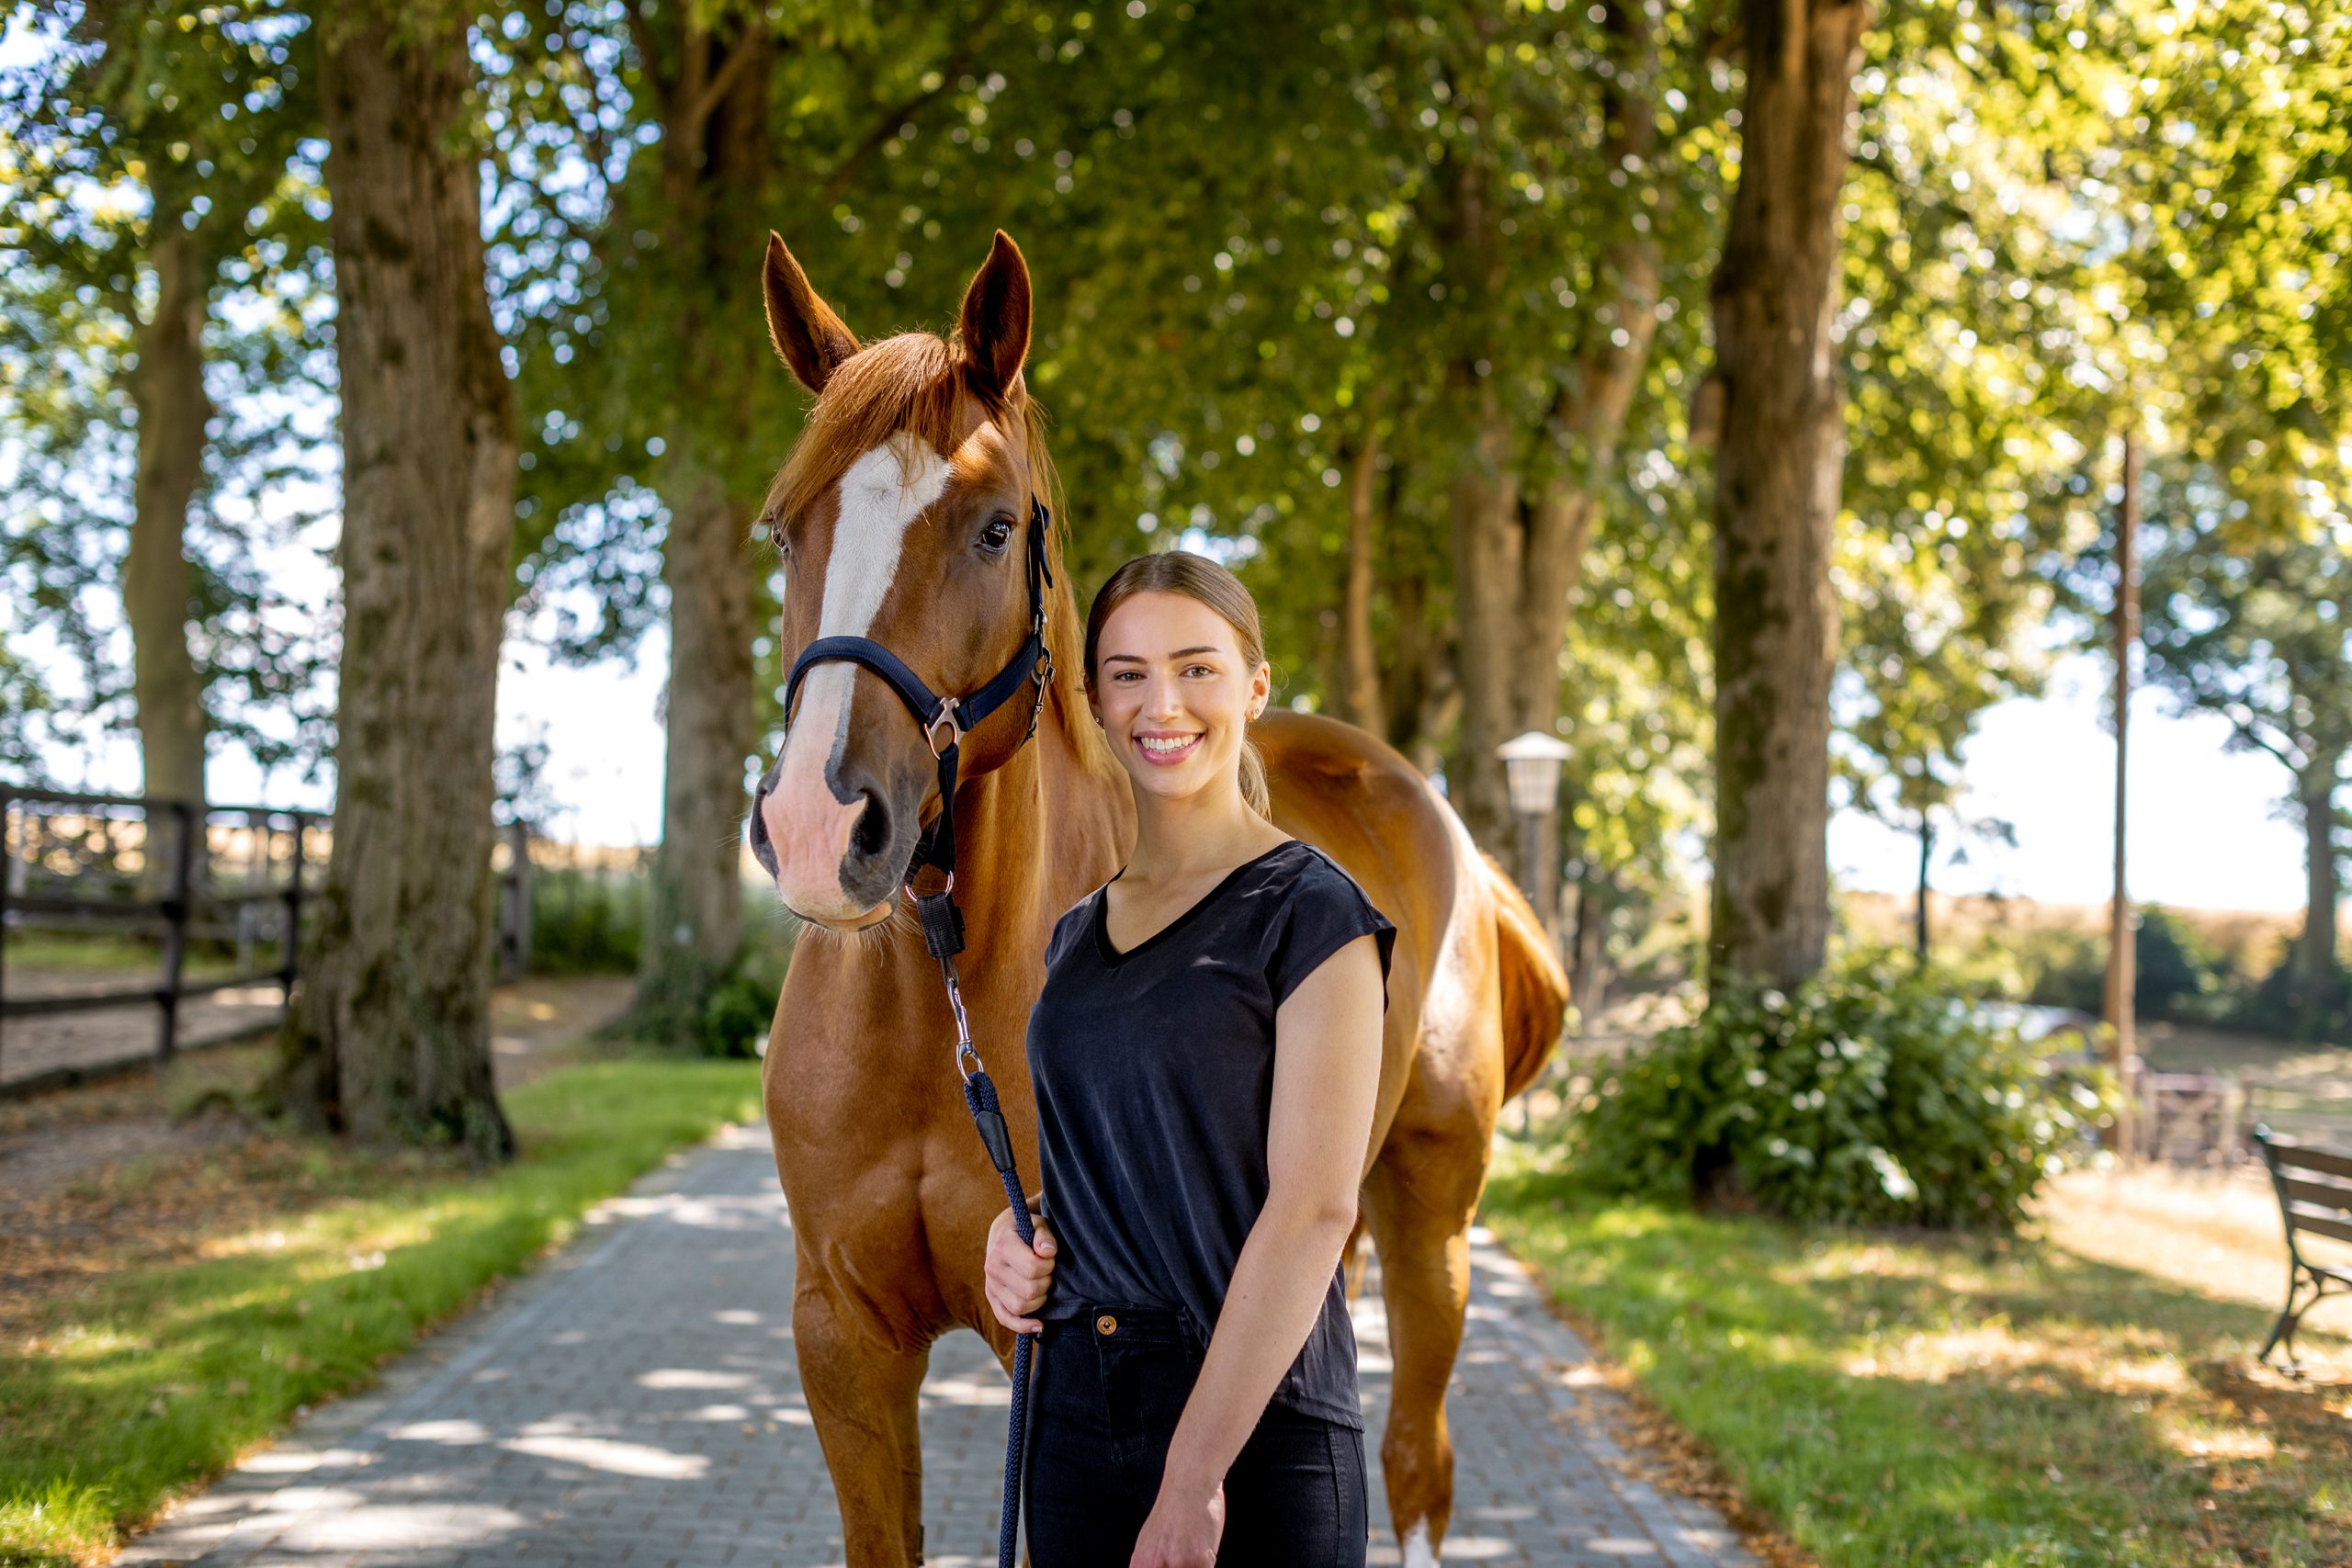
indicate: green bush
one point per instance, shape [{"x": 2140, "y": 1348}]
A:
[
  {"x": 2176, "y": 972},
  {"x": 583, "y": 922},
  {"x": 1873, "y": 1095},
  {"x": 736, "y": 1017}
]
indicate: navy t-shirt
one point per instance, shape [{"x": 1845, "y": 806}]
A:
[{"x": 1154, "y": 1071}]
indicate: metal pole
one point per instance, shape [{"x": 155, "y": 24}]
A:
[
  {"x": 289, "y": 947},
  {"x": 175, "y": 913},
  {"x": 2120, "y": 980}
]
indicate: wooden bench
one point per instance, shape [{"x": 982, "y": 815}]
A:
[{"x": 2315, "y": 1186}]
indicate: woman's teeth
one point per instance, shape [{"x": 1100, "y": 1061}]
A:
[{"x": 1166, "y": 749}]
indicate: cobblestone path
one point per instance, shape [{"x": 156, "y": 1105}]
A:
[{"x": 635, "y": 1405}]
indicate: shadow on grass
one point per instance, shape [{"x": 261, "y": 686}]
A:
[
  {"x": 158, "y": 1377},
  {"x": 1912, "y": 1398}
]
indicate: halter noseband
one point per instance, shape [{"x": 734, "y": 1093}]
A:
[{"x": 946, "y": 720}]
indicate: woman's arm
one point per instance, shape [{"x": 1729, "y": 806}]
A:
[{"x": 1327, "y": 1076}]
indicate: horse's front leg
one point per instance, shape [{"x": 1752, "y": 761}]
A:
[{"x": 862, "y": 1389}]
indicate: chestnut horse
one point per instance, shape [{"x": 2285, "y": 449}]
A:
[{"x": 901, "y": 515}]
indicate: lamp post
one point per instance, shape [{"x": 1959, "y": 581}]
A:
[{"x": 1531, "y": 764}]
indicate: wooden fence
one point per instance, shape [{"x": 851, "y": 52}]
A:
[{"x": 94, "y": 863}]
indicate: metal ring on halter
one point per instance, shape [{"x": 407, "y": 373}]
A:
[
  {"x": 908, "y": 887},
  {"x": 966, "y": 1049},
  {"x": 946, "y": 716}
]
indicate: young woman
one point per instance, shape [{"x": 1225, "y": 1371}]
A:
[{"x": 1206, "y": 1054}]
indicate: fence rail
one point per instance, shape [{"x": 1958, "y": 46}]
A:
[
  {"x": 87, "y": 862},
  {"x": 128, "y": 862}
]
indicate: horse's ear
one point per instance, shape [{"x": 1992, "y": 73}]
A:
[
  {"x": 994, "y": 330},
  {"x": 808, "y": 336}
]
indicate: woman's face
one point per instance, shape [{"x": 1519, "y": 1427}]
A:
[{"x": 1173, "y": 694}]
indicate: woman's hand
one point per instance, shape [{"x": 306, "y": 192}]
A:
[
  {"x": 1015, "y": 1276},
  {"x": 1183, "y": 1529}
]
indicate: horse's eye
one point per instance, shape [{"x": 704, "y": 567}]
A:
[{"x": 998, "y": 534}]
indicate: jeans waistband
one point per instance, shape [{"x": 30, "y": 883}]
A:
[{"x": 1122, "y": 1321}]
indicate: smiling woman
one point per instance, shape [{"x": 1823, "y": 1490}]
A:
[
  {"x": 1201, "y": 1174},
  {"x": 1230, "y": 644}
]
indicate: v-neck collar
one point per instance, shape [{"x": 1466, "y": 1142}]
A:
[{"x": 1112, "y": 957}]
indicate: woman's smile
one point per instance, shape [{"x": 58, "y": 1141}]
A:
[{"x": 1165, "y": 747}]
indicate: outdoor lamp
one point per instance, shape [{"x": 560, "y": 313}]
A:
[{"x": 1533, "y": 762}]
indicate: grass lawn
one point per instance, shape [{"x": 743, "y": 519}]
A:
[
  {"x": 106, "y": 950},
  {"x": 1904, "y": 1399},
  {"x": 158, "y": 1377}
]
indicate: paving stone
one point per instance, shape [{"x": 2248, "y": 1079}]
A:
[{"x": 635, "y": 1404}]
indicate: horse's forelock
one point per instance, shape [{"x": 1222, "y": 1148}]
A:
[{"x": 906, "y": 383}]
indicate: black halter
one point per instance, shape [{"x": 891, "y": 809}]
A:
[{"x": 945, "y": 721}]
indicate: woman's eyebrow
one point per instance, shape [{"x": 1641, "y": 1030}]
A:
[{"x": 1139, "y": 659}]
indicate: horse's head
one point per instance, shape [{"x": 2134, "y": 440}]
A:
[{"x": 902, "y": 515}]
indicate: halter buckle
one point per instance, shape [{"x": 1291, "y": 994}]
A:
[
  {"x": 948, "y": 716},
  {"x": 908, "y": 887}
]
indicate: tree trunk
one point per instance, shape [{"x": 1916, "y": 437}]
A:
[
  {"x": 168, "y": 392},
  {"x": 1520, "y": 556},
  {"x": 715, "y": 164},
  {"x": 391, "y": 1040},
  {"x": 1777, "y": 480},
  {"x": 695, "y": 928},
  {"x": 1589, "y": 979},
  {"x": 1483, "y": 501},
  {"x": 2314, "y": 958},
  {"x": 1359, "y": 683}
]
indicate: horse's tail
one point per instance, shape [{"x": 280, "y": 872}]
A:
[{"x": 1534, "y": 986}]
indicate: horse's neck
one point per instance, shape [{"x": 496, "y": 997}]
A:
[{"x": 1035, "y": 833}]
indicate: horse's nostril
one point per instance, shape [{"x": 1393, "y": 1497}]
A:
[
  {"x": 872, "y": 833},
  {"x": 762, "y": 848}
]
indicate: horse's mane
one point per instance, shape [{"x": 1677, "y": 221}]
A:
[{"x": 909, "y": 383}]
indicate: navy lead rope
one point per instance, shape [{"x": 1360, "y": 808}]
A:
[
  {"x": 942, "y": 921},
  {"x": 942, "y": 932}
]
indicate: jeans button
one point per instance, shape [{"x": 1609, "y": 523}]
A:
[{"x": 1106, "y": 1324}]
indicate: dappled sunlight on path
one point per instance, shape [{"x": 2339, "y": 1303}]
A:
[{"x": 638, "y": 1402}]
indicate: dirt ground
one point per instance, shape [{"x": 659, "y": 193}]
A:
[{"x": 137, "y": 1169}]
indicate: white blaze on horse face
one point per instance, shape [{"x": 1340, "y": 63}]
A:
[{"x": 881, "y": 495}]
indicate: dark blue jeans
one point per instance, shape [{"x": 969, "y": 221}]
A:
[{"x": 1110, "y": 1385}]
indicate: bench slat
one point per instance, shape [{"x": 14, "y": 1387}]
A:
[
  {"x": 2320, "y": 1224},
  {"x": 2308, "y": 1158},
  {"x": 2317, "y": 1193}
]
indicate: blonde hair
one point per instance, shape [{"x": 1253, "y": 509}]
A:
[{"x": 1201, "y": 579}]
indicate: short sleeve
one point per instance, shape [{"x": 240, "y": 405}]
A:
[
  {"x": 1072, "y": 921},
  {"x": 1326, "y": 910}
]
